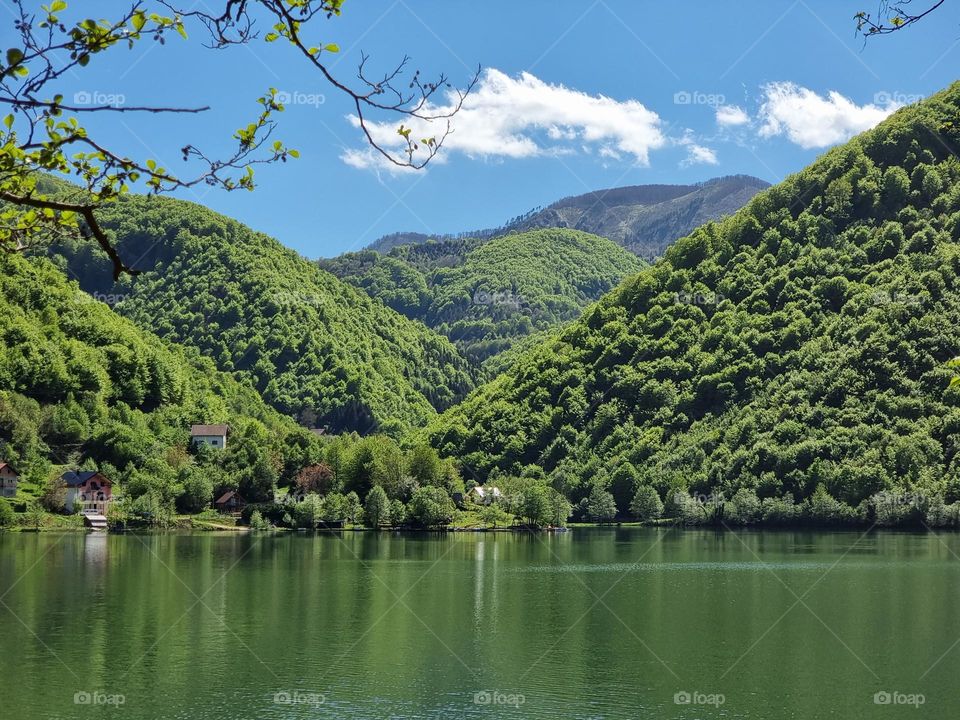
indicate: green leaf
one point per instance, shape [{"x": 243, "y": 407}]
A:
[
  {"x": 138, "y": 21},
  {"x": 332, "y": 47},
  {"x": 14, "y": 56}
]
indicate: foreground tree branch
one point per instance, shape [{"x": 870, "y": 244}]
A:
[
  {"x": 42, "y": 135},
  {"x": 893, "y": 15}
]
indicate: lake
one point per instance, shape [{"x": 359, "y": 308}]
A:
[{"x": 593, "y": 623}]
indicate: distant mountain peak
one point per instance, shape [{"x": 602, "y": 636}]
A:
[{"x": 643, "y": 218}]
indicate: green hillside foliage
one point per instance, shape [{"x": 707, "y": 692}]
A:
[
  {"x": 315, "y": 348},
  {"x": 794, "y": 350},
  {"x": 82, "y": 387},
  {"x": 485, "y": 296}
]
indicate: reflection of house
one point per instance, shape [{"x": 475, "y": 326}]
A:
[
  {"x": 210, "y": 435},
  {"x": 485, "y": 495},
  {"x": 8, "y": 480},
  {"x": 230, "y": 502},
  {"x": 88, "y": 491}
]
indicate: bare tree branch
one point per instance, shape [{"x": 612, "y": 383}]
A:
[
  {"x": 41, "y": 127},
  {"x": 891, "y": 16}
]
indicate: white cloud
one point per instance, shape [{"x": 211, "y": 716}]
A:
[
  {"x": 813, "y": 121},
  {"x": 731, "y": 115},
  {"x": 369, "y": 159},
  {"x": 699, "y": 155},
  {"x": 524, "y": 117}
]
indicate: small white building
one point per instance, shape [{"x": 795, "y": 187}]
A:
[
  {"x": 214, "y": 436},
  {"x": 8, "y": 480},
  {"x": 483, "y": 495}
]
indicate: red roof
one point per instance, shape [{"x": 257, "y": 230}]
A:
[
  {"x": 227, "y": 496},
  {"x": 209, "y": 430},
  {"x": 8, "y": 465}
]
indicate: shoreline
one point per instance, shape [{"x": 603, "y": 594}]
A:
[{"x": 202, "y": 528}]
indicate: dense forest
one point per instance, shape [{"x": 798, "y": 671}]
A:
[
  {"x": 82, "y": 387},
  {"x": 316, "y": 348},
  {"x": 787, "y": 362},
  {"x": 485, "y": 296}
]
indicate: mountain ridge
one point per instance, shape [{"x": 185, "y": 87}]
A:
[{"x": 628, "y": 215}]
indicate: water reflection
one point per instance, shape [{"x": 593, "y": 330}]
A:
[{"x": 415, "y": 626}]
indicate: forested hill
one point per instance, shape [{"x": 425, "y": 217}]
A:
[
  {"x": 486, "y": 296},
  {"x": 801, "y": 342},
  {"x": 316, "y": 348},
  {"x": 80, "y": 385},
  {"x": 643, "y": 218}
]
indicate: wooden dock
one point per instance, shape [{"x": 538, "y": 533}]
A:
[{"x": 95, "y": 522}]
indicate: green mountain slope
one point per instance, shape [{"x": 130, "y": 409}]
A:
[
  {"x": 485, "y": 296},
  {"x": 799, "y": 343},
  {"x": 316, "y": 348},
  {"x": 81, "y": 385}
]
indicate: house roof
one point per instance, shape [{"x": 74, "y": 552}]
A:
[
  {"x": 227, "y": 496},
  {"x": 482, "y": 491},
  {"x": 74, "y": 479},
  {"x": 209, "y": 430},
  {"x": 8, "y": 465}
]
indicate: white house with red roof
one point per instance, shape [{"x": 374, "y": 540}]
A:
[{"x": 214, "y": 436}]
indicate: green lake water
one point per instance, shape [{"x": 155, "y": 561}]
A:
[{"x": 593, "y": 623}]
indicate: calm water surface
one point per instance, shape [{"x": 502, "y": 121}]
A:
[{"x": 618, "y": 623}]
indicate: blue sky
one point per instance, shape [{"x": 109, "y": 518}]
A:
[{"x": 575, "y": 96}]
